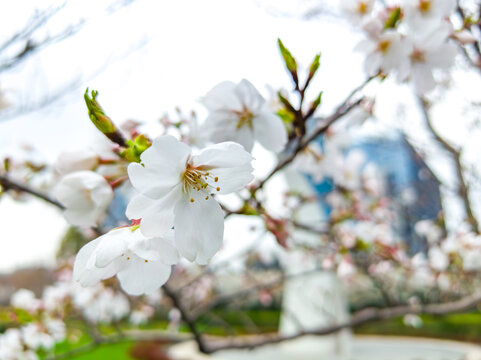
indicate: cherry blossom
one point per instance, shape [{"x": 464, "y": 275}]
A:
[
  {"x": 357, "y": 10},
  {"x": 238, "y": 112},
  {"x": 25, "y": 299},
  {"x": 424, "y": 15},
  {"x": 387, "y": 52},
  {"x": 86, "y": 196},
  {"x": 12, "y": 346},
  {"x": 177, "y": 187},
  {"x": 429, "y": 51},
  {"x": 141, "y": 264},
  {"x": 71, "y": 161}
]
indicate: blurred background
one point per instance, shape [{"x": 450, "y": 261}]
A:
[{"x": 154, "y": 60}]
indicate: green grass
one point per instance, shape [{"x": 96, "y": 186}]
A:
[
  {"x": 119, "y": 351},
  {"x": 463, "y": 327}
]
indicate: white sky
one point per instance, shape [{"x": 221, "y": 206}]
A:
[{"x": 189, "y": 46}]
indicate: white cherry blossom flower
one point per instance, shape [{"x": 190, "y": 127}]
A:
[
  {"x": 429, "y": 51},
  {"x": 25, "y": 299},
  {"x": 107, "y": 307},
  {"x": 239, "y": 113},
  {"x": 85, "y": 195},
  {"x": 176, "y": 188},
  {"x": 387, "y": 52},
  {"x": 424, "y": 15},
  {"x": 35, "y": 337},
  {"x": 12, "y": 346},
  {"x": 141, "y": 264},
  {"x": 357, "y": 10}
]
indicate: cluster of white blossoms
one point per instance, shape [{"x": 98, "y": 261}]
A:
[
  {"x": 410, "y": 40},
  {"x": 174, "y": 211},
  {"x": 46, "y": 327},
  {"x": 239, "y": 113},
  {"x": 42, "y": 333}
]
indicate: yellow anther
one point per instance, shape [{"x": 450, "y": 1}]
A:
[
  {"x": 218, "y": 188},
  {"x": 192, "y": 199},
  {"x": 128, "y": 258},
  {"x": 207, "y": 173},
  {"x": 146, "y": 260},
  {"x": 216, "y": 179},
  {"x": 207, "y": 197}
]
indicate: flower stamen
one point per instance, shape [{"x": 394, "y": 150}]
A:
[{"x": 197, "y": 178}]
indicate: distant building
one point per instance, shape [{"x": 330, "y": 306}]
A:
[{"x": 410, "y": 183}]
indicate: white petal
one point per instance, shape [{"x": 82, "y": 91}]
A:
[
  {"x": 250, "y": 98},
  {"x": 152, "y": 182},
  {"x": 199, "y": 228},
  {"x": 270, "y": 131},
  {"x": 143, "y": 277},
  {"x": 227, "y": 154},
  {"x": 220, "y": 125},
  {"x": 232, "y": 179},
  {"x": 82, "y": 258},
  {"x": 87, "y": 274},
  {"x": 423, "y": 78},
  {"x": 443, "y": 57},
  {"x": 154, "y": 249},
  {"x": 111, "y": 246},
  {"x": 166, "y": 156},
  {"x": 157, "y": 215},
  {"x": 222, "y": 97},
  {"x": 372, "y": 63},
  {"x": 102, "y": 196}
]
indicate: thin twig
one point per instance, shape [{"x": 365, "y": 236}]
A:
[
  {"x": 8, "y": 184},
  {"x": 186, "y": 318},
  {"x": 463, "y": 189},
  {"x": 341, "y": 110}
]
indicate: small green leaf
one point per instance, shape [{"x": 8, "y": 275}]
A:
[
  {"x": 314, "y": 66},
  {"x": 287, "y": 56},
  {"x": 286, "y": 116},
  {"x": 317, "y": 101},
  {"x": 135, "y": 148}
]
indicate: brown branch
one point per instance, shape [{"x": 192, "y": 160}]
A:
[
  {"x": 190, "y": 322},
  {"x": 358, "y": 318},
  {"x": 321, "y": 230},
  {"x": 8, "y": 184},
  {"x": 463, "y": 189}
]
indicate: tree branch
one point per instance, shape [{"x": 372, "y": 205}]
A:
[
  {"x": 463, "y": 189},
  {"x": 341, "y": 110},
  {"x": 8, "y": 184},
  {"x": 187, "y": 319},
  {"x": 358, "y": 318}
]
